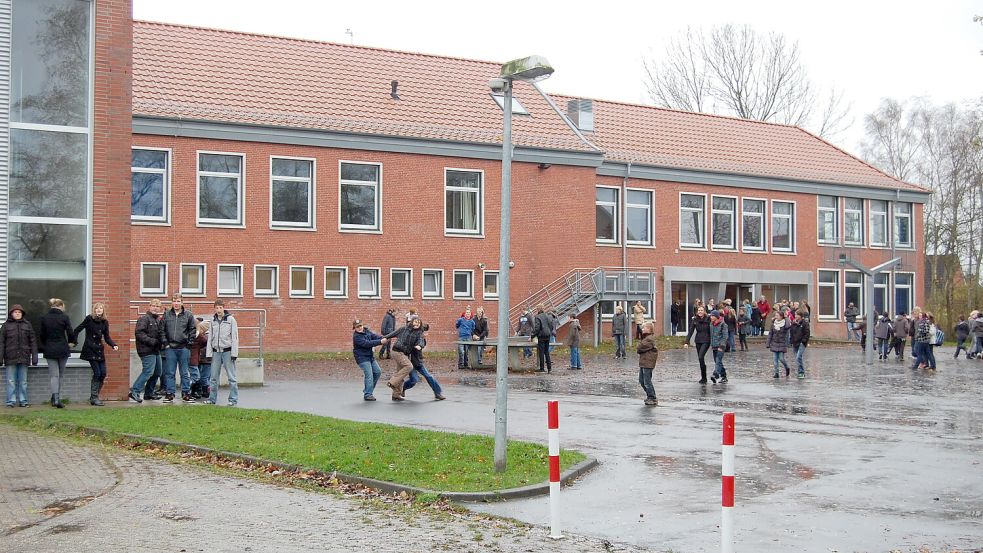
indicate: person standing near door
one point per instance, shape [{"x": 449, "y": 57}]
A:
[
  {"x": 674, "y": 314},
  {"x": 638, "y": 318},
  {"x": 619, "y": 327},
  {"x": 542, "y": 329}
]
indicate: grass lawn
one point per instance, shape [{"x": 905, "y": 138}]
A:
[{"x": 439, "y": 461}]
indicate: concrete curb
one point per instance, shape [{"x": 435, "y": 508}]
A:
[{"x": 543, "y": 488}]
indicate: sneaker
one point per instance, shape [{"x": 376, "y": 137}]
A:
[
  {"x": 801, "y": 375},
  {"x": 233, "y": 403},
  {"x": 713, "y": 379},
  {"x": 168, "y": 398},
  {"x": 439, "y": 397},
  {"x": 187, "y": 398},
  {"x": 135, "y": 398},
  {"x": 208, "y": 402},
  {"x": 703, "y": 381},
  {"x": 723, "y": 380},
  {"x": 652, "y": 402},
  {"x": 11, "y": 405},
  {"x": 369, "y": 397},
  {"x": 25, "y": 404},
  {"x": 774, "y": 375}
]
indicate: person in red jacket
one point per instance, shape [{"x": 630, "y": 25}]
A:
[{"x": 765, "y": 309}]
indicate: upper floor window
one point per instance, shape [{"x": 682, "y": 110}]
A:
[
  {"x": 723, "y": 219},
  {"x": 291, "y": 192},
  {"x": 149, "y": 185},
  {"x": 782, "y": 226},
  {"x": 360, "y": 203},
  {"x": 828, "y": 222},
  {"x": 878, "y": 223},
  {"x": 462, "y": 202},
  {"x": 853, "y": 221},
  {"x": 692, "y": 220},
  {"x": 753, "y": 229},
  {"x": 606, "y": 218},
  {"x": 638, "y": 217},
  {"x": 902, "y": 224},
  {"x": 220, "y": 189}
]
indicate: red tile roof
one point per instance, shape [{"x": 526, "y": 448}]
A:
[
  {"x": 669, "y": 138},
  {"x": 213, "y": 75}
]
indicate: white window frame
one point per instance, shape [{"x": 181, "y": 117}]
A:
[
  {"x": 911, "y": 292},
  {"x": 791, "y": 227},
  {"x": 485, "y": 295},
  {"x": 335, "y": 294},
  {"x": 362, "y": 229},
  {"x": 860, "y": 287},
  {"x": 409, "y": 283},
  {"x": 884, "y": 214},
  {"x": 733, "y": 223},
  {"x": 267, "y": 293},
  {"x": 469, "y": 295},
  {"x": 218, "y": 280},
  {"x": 835, "y": 210},
  {"x": 193, "y": 291},
  {"x": 160, "y": 291},
  {"x": 763, "y": 223},
  {"x": 884, "y": 290},
  {"x": 650, "y": 207},
  {"x": 165, "y": 219},
  {"x": 861, "y": 220},
  {"x": 835, "y": 287},
  {"x": 307, "y": 292},
  {"x": 703, "y": 233},
  {"x": 480, "y": 232},
  {"x": 423, "y": 285},
  {"x": 241, "y": 196},
  {"x": 517, "y": 107},
  {"x": 378, "y": 283},
  {"x": 616, "y": 241},
  {"x": 911, "y": 225},
  {"x": 311, "y": 225}
]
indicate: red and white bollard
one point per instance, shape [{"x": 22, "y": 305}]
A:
[
  {"x": 727, "y": 487},
  {"x": 554, "y": 451}
]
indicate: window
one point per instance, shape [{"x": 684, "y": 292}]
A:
[
  {"x": 880, "y": 292},
  {"x": 692, "y": 222},
  {"x": 638, "y": 217},
  {"x": 829, "y": 284},
  {"x": 853, "y": 221},
  {"x": 368, "y": 283},
  {"x": 902, "y": 224},
  {"x": 878, "y": 223},
  {"x": 336, "y": 282},
  {"x": 491, "y": 285},
  {"x": 291, "y": 192},
  {"x": 606, "y": 215},
  {"x": 301, "y": 282},
  {"x": 903, "y": 286},
  {"x": 359, "y": 204},
  {"x": 462, "y": 202},
  {"x": 517, "y": 108},
  {"x": 722, "y": 218},
  {"x": 401, "y": 283},
  {"x": 828, "y": 222},
  {"x": 753, "y": 229},
  {"x": 266, "y": 280},
  {"x": 463, "y": 284},
  {"x": 193, "y": 279},
  {"x": 853, "y": 289},
  {"x": 153, "y": 279},
  {"x": 220, "y": 189},
  {"x": 782, "y": 226},
  {"x": 433, "y": 283},
  {"x": 150, "y": 185},
  {"x": 230, "y": 280}
]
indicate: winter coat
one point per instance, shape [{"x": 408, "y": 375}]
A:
[
  {"x": 199, "y": 347},
  {"x": 718, "y": 334},
  {"x": 407, "y": 339},
  {"x": 573, "y": 334},
  {"x": 56, "y": 334},
  {"x": 700, "y": 326},
  {"x": 525, "y": 325},
  {"x": 763, "y": 308},
  {"x": 851, "y": 314},
  {"x": 912, "y": 326},
  {"x": 542, "y": 326},
  {"x": 362, "y": 344},
  {"x": 755, "y": 316},
  {"x": 778, "y": 338},
  {"x": 800, "y": 333},
  {"x": 648, "y": 353},
  {"x": 95, "y": 333},
  {"x": 923, "y": 331},
  {"x": 730, "y": 319},
  {"x": 901, "y": 328},
  {"x": 388, "y": 323},
  {"x": 674, "y": 314},
  {"x": 223, "y": 334},
  {"x": 465, "y": 328},
  {"x": 619, "y": 323},
  {"x": 883, "y": 329},
  {"x": 149, "y": 334},
  {"x": 18, "y": 344},
  {"x": 180, "y": 328},
  {"x": 742, "y": 324},
  {"x": 481, "y": 327},
  {"x": 962, "y": 330},
  {"x": 555, "y": 323},
  {"x": 978, "y": 328},
  {"x": 638, "y": 314}
]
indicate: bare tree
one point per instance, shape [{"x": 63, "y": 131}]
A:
[{"x": 736, "y": 71}]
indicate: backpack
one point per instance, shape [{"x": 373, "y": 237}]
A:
[{"x": 939, "y": 336}]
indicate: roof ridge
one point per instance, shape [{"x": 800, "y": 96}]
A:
[{"x": 142, "y": 22}]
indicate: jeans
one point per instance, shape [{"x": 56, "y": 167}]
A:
[
  {"x": 718, "y": 364},
  {"x": 899, "y": 344},
  {"x": 619, "y": 344},
  {"x": 780, "y": 358},
  {"x": 799, "y": 350},
  {"x": 851, "y": 333},
  {"x": 961, "y": 345},
  {"x": 145, "y": 382},
  {"x": 462, "y": 355},
  {"x": 883, "y": 347},
  {"x": 575, "y": 357},
  {"x": 543, "y": 349},
  {"x": 674, "y": 327},
  {"x": 223, "y": 359},
  {"x": 413, "y": 379},
  {"x": 917, "y": 354},
  {"x": 928, "y": 352},
  {"x": 645, "y": 380},
  {"x": 701, "y": 353},
  {"x": 371, "y": 372},
  {"x": 177, "y": 358},
  {"x": 17, "y": 384},
  {"x": 56, "y": 371},
  {"x": 204, "y": 374},
  {"x": 730, "y": 341},
  {"x": 98, "y": 370}
]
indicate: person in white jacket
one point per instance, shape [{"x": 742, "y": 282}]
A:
[{"x": 223, "y": 343}]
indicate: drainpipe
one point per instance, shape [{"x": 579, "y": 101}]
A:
[{"x": 624, "y": 244}]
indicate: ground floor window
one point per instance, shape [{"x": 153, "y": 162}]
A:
[
  {"x": 301, "y": 282},
  {"x": 491, "y": 285},
  {"x": 153, "y": 279},
  {"x": 828, "y": 304},
  {"x": 335, "y": 282},
  {"x": 903, "y": 286},
  {"x": 230, "y": 280},
  {"x": 853, "y": 289}
]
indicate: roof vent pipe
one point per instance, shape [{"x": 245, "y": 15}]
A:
[{"x": 395, "y": 85}]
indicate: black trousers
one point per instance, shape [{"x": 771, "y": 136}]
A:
[
  {"x": 543, "y": 349},
  {"x": 701, "y": 352}
]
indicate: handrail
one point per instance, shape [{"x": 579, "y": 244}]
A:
[{"x": 259, "y": 329}]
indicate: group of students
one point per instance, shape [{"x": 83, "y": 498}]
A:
[{"x": 404, "y": 344}]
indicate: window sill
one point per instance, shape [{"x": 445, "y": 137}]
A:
[
  {"x": 336, "y": 296},
  {"x": 433, "y": 297},
  {"x": 754, "y": 251},
  {"x": 150, "y": 223},
  {"x": 361, "y": 297},
  {"x": 780, "y": 252},
  {"x": 153, "y": 294},
  {"x": 359, "y": 231},
  {"x": 302, "y": 296},
  {"x": 693, "y": 248},
  {"x": 301, "y": 229},
  {"x": 642, "y": 246},
  {"x": 229, "y": 295},
  {"x": 400, "y": 297},
  {"x": 267, "y": 296},
  {"x": 453, "y": 234},
  {"x": 723, "y": 249},
  {"x": 202, "y": 224},
  {"x": 607, "y": 244},
  {"x": 464, "y": 297}
]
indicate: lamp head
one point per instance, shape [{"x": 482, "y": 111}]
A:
[{"x": 530, "y": 69}]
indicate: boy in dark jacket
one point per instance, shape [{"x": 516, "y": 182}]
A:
[
  {"x": 962, "y": 333},
  {"x": 363, "y": 340},
  {"x": 418, "y": 367},
  {"x": 407, "y": 338},
  {"x": 18, "y": 347},
  {"x": 648, "y": 355},
  {"x": 543, "y": 329},
  {"x": 388, "y": 325},
  {"x": 150, "y": 339},
  {"x": 799, "y": 334}
]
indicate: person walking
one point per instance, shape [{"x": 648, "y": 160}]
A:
[
  {"x": 638, "y": 318},
  {"x": 961, "y": 332},
  {"x": 850, "y": 314},
  {"x": 719, "y": 336},
  {"x": 743, "y": 328},
  {"x": 480, "y": 331},
  {"x": 149, "y": 335},
  {"x": 573, "y": 340},
  {"x": 542, "y": 329},
  {"x": 96, "y": 329},
  {"x": 180, "y": 328},
  {"x": 388, "y": 325},
  {"x": 648, "y": 355},
  {"x": 57, "y": 339},
  {"x": 921, "y": 339},
  {"x": 977, "y": 334},
  {"x": 674, "y": 317},
  {"x": 619, "y": 326},
  {"x": 778, "y": 339},
  {"x": 363, "y": 340},
  {"x": 18, "y": 348},
  {"x": 900, "y": 336},
  {"x": 465, "y": 333},
  {"x": 935, "y": 338},
  {"x": 699, "y": 326},
  {"x": 883, "y": 332},
  {"x": 799, "y": 334},
  {"x": 407, "y": 339},
  {"x": 223, "y": 343},
  {"x": 730, "y": 319},
  {"x": 416, "y": 358}
]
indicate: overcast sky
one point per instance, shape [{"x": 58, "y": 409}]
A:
[{"x": 871, "y": 49}]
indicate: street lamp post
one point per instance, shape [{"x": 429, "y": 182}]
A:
[
  {"x": 531, "y": 69},
  {"x": 869, "y": 298}
]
